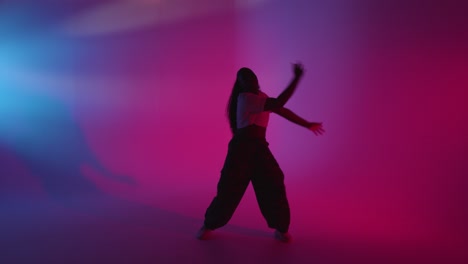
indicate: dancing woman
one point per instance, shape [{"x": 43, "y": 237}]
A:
[{"x": 250, "y": 160}]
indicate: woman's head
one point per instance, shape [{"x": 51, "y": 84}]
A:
[{"x": 247, "y": 80}]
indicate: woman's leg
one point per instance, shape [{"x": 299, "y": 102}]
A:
[
  {"x": 268, "y": 183},
  {"x": 231, "y": 186}
]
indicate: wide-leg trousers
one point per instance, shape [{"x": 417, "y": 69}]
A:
[{"x": 250, "y": 160}]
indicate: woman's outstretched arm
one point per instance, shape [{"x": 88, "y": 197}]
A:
[
  {"x": 293, "y": 117},
  {"x": 275, "y": 103}
]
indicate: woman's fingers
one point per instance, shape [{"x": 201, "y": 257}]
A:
[
  {"x": 298, "y": 68},
  {"x": 317, "y": 129}
]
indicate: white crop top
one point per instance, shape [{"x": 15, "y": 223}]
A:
[{"x": 250, "y": 110}]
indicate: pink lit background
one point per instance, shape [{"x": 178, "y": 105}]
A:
[{"x": 113, "y": 129}]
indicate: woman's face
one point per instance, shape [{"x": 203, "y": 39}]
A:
[{"x": 248, "y": 80}]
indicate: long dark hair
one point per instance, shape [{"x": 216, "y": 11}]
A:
[
  {"x": 246, "y": 81},
  {"x": 231, "y": 110}
]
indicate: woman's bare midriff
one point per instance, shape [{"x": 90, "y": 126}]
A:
[{"x": 251, "y": 131}]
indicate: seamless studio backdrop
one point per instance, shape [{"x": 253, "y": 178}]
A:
[{"x": 113, "y": 129}]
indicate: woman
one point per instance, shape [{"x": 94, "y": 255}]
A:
[{"x": 249, "y": 158}]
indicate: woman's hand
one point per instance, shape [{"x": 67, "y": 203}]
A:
[
  {"x": 316, "y": 128},
  {"x": 298, "y": 69}
]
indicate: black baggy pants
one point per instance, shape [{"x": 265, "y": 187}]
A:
[{"x": 250, "y": 159}]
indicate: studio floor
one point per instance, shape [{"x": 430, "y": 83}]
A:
[{"x": 104, "y": 229}]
